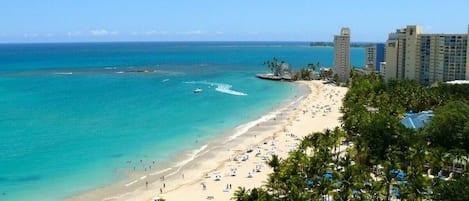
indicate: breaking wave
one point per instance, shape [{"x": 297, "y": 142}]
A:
[{"x": 221, "y": 87}]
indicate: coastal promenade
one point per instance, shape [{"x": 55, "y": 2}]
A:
[{"x": 238, "y": 160}]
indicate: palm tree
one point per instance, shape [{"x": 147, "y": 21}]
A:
[
  {"x": 274, "y": 162},
  {"x": 437, "y": 159},
  {"x": 241, "y": 194},
  {"x": 335, "y": 139},
  {"x": 258, "y": 194},
  {"x": 272, "y": 65},
  {"x": 459, "y": 156},
  {"x": 272, "y": 184},
  {"x": 312, "y": 67}
]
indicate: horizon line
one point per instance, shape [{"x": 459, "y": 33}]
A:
[{"x": 172, "y": 41}]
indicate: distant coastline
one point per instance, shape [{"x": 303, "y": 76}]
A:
[{"x": 331, "y": 44}]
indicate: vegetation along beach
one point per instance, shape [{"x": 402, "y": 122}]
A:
[{"x": 234, "y": 100}]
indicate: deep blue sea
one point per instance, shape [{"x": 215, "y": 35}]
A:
[{"x": 71, "y": 115}]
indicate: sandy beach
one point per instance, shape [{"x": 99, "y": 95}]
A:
[{"x": 216, "y": 170}]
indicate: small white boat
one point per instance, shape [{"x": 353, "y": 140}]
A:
[{"x": 198, "y": 90}]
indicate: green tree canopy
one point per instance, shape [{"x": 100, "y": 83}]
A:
[
  {"x": 456, "y": 190},
  {"x": 449, "y": 128}
]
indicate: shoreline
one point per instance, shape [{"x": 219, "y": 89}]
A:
[
  {"x": 135, "y": 180},
  {"x": 281, "y": 126}
]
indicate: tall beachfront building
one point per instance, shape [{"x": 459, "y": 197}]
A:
[
  {"x": 428, "y": 58},
  {"x": 342, "y": 54},
  {"x": 467, "y": 55},
  {"x": 374, "y": 55}
]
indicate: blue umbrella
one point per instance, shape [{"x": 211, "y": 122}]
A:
[
  {"x": 401, "y": 175},
  {"x": 328, "y": 176},
  {"x": 395, "y": 192}
]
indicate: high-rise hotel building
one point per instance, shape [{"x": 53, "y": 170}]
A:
[
  {"x": 374, "y": 55},
  {"x": 342, "y": 54},
  {"x": 428, "y": 58}
]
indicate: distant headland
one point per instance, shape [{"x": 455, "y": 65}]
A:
[{"x": 331, "y": 44}]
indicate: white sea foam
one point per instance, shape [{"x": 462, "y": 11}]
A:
[
  {"x": 192, "y": 156},
  {"x": 120, "y": 72},
  {"x": 165, "y": 80},
  {"x": 161, "y": 171},
  {"x": 221, "y": 87},
  {"x": 242, "y": 129},
  {"x": 130, "y": 183},
  {"x": 63, "y": 73}
]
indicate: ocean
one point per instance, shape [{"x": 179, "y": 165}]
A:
[{"x": 72, "y": 115}]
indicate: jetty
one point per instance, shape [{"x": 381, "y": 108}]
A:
[{"x": 271, "y": 76}]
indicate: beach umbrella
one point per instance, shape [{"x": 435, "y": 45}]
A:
[
  {"x": 401, "y": 175},
  {"x": 328, "y": 176},
  {"x": 395, "y": 192}
]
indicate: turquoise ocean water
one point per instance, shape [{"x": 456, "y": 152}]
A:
[{"x": 71, "y": 115}]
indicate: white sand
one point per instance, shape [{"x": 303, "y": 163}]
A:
[{"x": 315, "y": 112}]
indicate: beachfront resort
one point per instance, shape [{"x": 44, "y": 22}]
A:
[
  {"x": 377, "y": 139},
  {"x": 234, "y": 100}
]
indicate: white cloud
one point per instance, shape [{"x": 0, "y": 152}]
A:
[
  {"x": 149, "y": 33},
  {"x": 102, "y": 32},
  {"x": 30, "y": 35},
  {"x": 154, "y": 32},
  {"x": 194, "y": 32},
  {"x": 73, "y": 33}
]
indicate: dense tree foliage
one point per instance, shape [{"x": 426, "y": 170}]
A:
[
  {"x": 456, "y": 190},
  {"x": 450, "y": 126},
  {"x": 386, "y": 160}
]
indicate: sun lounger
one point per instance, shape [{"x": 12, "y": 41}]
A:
[{"x": 217, "y": 177}]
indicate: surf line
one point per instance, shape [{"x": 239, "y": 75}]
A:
[{"x": 130, "y": 183}]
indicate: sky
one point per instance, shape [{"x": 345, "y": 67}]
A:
[{"x": 27, "y": 21}]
